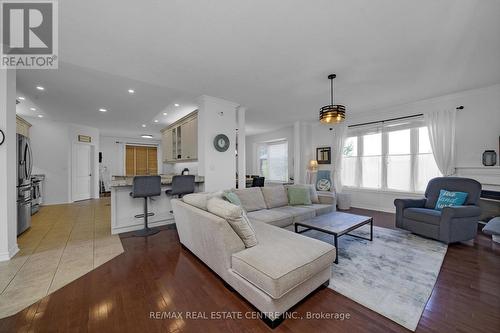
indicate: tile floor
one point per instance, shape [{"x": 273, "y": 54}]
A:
[{"x": 63, "y": 243}]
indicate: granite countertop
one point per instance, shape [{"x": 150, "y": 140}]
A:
[{"x": 122, "y": 181}]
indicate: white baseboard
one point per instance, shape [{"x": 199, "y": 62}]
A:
[
  {"x": 4, "y": 256},
  {"x": 380, "y": 209},
  {"x": 139, "y": 226}
]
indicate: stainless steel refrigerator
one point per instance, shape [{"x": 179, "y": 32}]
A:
[{"x": 24, "y": 168}]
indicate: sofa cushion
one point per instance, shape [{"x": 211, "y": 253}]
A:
[
  {"x": 492, "y": 227},
  {"x": 272, "y": 216},
  {"x": 275, "y": 196},
  {"x": 251, "y": 198},
  {"x": 282, "y": 260},
  {"x": 320, "y": 209},
  {"x": 299, "y": 213},
  {"x": 236, "y": 218},
  {"x": 199, "y": 200},
  {"x": 425, "y": 215}
]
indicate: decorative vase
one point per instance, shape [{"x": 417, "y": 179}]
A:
[{"x": 489, "y": 158}]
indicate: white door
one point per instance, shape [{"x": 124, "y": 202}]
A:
[{"x": 83, "y": 172}]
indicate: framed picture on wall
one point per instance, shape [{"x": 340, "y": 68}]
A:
[{"x": 324, "y": 155}]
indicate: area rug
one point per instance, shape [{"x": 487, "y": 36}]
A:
[{"x": 393, "y": 275}]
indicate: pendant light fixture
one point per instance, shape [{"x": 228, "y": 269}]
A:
[{"x": 332, "y": 114}]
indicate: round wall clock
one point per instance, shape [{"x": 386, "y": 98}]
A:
[
  {"x": 2, "y": 137},
  {"x": 221, "y": 142}
]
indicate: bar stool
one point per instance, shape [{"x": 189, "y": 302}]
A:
[
  {"x": 146, "y": 187},
  {"x": 181, "y": 185}
]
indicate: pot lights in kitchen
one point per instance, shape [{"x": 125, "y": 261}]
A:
[
  {"x": 40, "y": 88},
  {"x": 156, "y": 121},
  {"x": 143, "y": 125},
  {"x": 164, "y": 113},
  {"x": 103, "y": 110},
  {"x": 147, "y": 136},
  {"x": 21, "y": 98},
  {"x": 131, "y": 91},
  {"x": 177, "y": 105},
  {"x": 32, "y": 109},
  {"x": 40, "y": 116}
]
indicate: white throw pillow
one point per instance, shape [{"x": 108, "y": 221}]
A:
[
  {"x": 199, "y": 200},
  {"x": 236, "y": 218}
]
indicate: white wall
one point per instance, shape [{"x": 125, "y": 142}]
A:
[
  {"x": 113, "y": 155},
  {"x": 216, "y": 116},
  {"x": 52, "y": 145},
  {"x": 176, "y": 168},
  {"x": 478, "y": 129},
  {"x": 51, "y": 157},
  {"x": 8, "y": 178}
]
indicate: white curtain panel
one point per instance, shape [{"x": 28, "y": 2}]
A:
[
  {"x": 441, "y": 125},
  {"x": 340, "y": 132}
]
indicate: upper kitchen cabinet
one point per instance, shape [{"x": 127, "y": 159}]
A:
[
  {"x": 180, "y": 140},
  {"x": 22, "y": 127}
]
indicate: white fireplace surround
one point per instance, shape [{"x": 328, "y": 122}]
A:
[{"x": 489, "y": 177}]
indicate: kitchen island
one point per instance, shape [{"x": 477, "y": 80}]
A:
[{"x": 124, "y": 207}]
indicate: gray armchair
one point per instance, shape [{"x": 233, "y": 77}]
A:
[{"x": 452, "y": 224}]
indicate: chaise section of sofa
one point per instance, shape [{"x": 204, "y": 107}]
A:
[{"x": 274, "y": 275}]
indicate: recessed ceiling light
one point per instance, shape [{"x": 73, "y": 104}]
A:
[
  {"x": 32, "y": 109},
  {"x": 156, "y": 120},
  {"x": 40, "y": 88},
  {"x": 164, "y": 113},
  {"x": 143, "y": 125},
  {"x": 103, "y": 110},
  {"x": 40, "y": 116},
  {"x": 131, "y": 91},
  {"x": 147, "y": 136},
  {"x": 177, "y": 105},
  {"x": 21, "y": 98}
]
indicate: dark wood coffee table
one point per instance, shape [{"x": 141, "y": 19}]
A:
[{"x": 336, "y": 224}]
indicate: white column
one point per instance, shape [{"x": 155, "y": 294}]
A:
[
  {"x": 297, "y": 161},
  {"x": 216, "y": 116},
  {"x": 242, "y": 161},
  {"x": 8, "y": 177}
]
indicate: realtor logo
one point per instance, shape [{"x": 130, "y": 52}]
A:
[{"x": 29, "y": 34}]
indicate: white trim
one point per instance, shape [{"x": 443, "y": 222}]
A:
[
  {"x": 4, "y": 256},
  {"x": 140, "y": 225}
]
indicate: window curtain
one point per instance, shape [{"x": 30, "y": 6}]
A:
[
  {"x": 441, "y": 125},
  {"x": 340, "y": 133}
]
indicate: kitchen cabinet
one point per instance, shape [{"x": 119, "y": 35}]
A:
[
  {"x": 180, "y": 140},
  {"x": 22, "y": 127}
]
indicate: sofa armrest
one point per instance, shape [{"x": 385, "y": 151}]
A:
[
  {"x": 409, "y": 203},
  {"x": 460, "y": 211},
  {"x": 326, "y": 198},
  {"x": 401, "y": 204}
]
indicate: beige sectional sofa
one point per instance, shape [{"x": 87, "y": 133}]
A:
[{"x": 281, "y": 269}]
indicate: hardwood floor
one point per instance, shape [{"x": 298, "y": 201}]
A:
[{"x": 156, "y": 274}]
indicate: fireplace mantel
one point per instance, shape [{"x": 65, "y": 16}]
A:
[{"x": 489, "y": 177}]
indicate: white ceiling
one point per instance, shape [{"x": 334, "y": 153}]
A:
[{"x": 270, "y": 56}]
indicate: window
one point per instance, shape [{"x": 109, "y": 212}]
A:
[
  {"x": 141, "y": 160},
  {"x": 393, "y": 157},
  {"x": 273, "y": 160}
]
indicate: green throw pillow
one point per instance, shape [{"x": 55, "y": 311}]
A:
[
  {"x": 299, "y": 196},
  {"x": 232, "y": 198}
]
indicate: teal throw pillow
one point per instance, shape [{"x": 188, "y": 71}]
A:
[
  {"x": 232, "y": 198},
  {"x": 448, "y": 198}
]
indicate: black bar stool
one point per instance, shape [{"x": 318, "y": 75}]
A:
[
  {"x": 181, "y": 185},
  {"x": 146, "y": 187}
]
